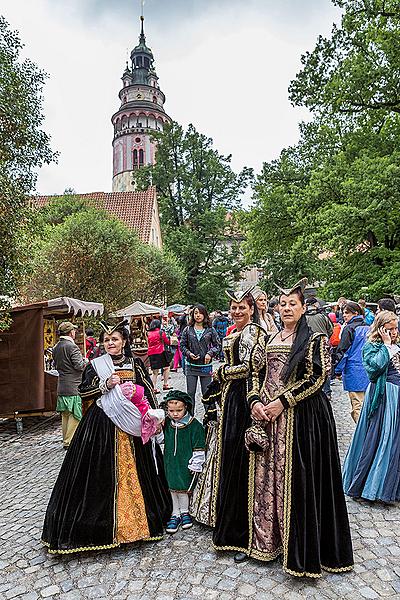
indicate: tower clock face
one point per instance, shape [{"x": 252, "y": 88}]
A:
[{"x": 138, "y": 96}]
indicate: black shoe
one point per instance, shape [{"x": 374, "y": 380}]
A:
[{"x": 240, "y": 557}]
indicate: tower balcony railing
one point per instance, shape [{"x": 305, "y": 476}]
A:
[{"x": 139, "y": 129}]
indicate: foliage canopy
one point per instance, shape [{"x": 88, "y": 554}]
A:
[
  {"x": 198, "y": 194},
  {"x": 329, "y": 207}
]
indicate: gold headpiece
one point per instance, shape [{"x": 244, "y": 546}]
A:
[{"x": 298, "y": 285}]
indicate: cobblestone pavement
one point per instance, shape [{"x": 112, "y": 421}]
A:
[{"x": 181, "y": 566}]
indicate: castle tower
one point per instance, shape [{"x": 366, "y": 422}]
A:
[{"x": 141, "y": 112}]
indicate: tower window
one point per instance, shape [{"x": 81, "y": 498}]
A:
[
  {"x": 135, "y": 159},
  {"x": 141, "y": 158},
  {"x": 155, "y": 99}
]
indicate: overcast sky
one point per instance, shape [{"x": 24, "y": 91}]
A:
[{"x": 224, "y": 66}]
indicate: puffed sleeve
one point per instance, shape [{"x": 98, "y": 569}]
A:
[
  {"x": 89, "y": 389},
  {"x": 257, "y": 372},
  {"x": 250, "y": 336},
  {"x": 318, "y": 367}
]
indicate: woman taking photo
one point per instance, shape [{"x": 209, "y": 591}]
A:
[
  {"x": 372, "y": 466},
  {"x": 111, "y": 488},
  {"x": 264, "y": 319},
  {"x": 297, "y": 506},
  {"x": 199, "y": 345},
  {"x": 159, "y": 354}
]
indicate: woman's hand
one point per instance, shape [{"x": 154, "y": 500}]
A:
[
  {"x": 207, "y": 359},
  {"x": 194, "y": 356},
  {"x": 258, "y": 412},
  {"x": 273, "y": 410},
  {"x": 112, "y": 381},
  {"x": 385, "y": 335}
]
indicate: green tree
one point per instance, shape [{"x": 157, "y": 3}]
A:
[
  {"x": 89, "y": 255},
  {"x": 24, "y": 147},
  {"x": 336, "y": 195},
  {"x": 357, "y": 70},
  {"x": 197, "y": 192}
]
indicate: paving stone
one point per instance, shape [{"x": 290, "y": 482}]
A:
[
  {"x": 182, "y": 567},
  {"x": 367, "y": 592},
  {"x": 245, "y": 589},
  {"x": 15, "y": 591},
  {"x": 50, "y": 591}
]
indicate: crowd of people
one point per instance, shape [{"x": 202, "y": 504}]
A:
[{"x": 263, "y": 469}]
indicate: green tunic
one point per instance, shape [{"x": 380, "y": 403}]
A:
[{"x": 179, "y": 445}]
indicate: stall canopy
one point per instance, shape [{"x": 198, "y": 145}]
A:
[
  {"x": 176, "y": 308},
  {"x": 137, "y": 309},
  {"x": 65, "y": 305}
]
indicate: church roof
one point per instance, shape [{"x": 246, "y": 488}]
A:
[{"x": 135, "y": 209}]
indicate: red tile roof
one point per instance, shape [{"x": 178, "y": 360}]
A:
[{"x": 135, "y": 209}]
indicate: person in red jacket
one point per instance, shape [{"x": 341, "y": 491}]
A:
[{"x": 158, "y": 341}]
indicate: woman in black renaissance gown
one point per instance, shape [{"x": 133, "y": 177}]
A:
[
  {"x": 221, "y": 495},
  {"x": 111, "y": 488},
  {"x": 297, "y": 506}
]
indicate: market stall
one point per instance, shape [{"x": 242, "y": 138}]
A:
[
  {"x": 139, "y": 314},
  {"x": 28, "y": 383}
]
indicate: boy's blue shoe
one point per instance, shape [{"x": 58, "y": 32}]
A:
[
  {"x": 173, "y": 524},
  {"x": 186, "y": 521}
]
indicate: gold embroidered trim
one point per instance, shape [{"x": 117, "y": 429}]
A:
[
  {"x": 302, "y": 573},
  {"x": 290, "y": 399},
  {"x": 218, "y": 456},
  {"x": 81, "y": 549},
  {"x": 287, "y": 502},
  {"x": 88, "y": 548},
  {"x": 207, "y": 400},
  {"x": 338, "y": 569},
  {"x": 266, "y": 557},
  {"x": 250, "y": 504},
  {"x": 320, "y": 380}
]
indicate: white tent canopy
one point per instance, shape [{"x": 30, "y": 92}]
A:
[{"x": 137, "y": 309}]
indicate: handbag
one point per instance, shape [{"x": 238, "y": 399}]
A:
[{"x": 257, "y": 437}]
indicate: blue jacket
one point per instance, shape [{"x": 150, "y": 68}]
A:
[{"x": 354, "y": 375}]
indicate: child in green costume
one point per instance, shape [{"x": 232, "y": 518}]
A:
[{"x": 184, "y": 455}]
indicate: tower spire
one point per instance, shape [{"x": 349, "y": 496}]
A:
[{"x": 142, "y": 36}]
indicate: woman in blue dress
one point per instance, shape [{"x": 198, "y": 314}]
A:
[{"x": 372, "y": 466}]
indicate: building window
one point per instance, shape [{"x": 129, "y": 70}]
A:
[
  {"x": 141, "y": 158},
  {"x": 135, "y": 159}
]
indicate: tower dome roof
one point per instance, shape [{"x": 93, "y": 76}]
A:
[{"x": 142, "y": 48}]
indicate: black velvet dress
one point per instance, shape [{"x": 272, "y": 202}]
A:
[
  {"x": 111, "y": 488},
  {"x": 229, "y": 498},
  {"x": 297, "y": 503}
]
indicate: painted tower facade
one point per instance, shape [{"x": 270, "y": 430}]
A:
[{"x": 141, "y": 112}]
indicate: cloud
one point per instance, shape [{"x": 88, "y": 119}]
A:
[{"x": 224, "y": 66}]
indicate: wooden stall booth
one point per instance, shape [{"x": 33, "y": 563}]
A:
[{"x": 28, "y": 382}]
